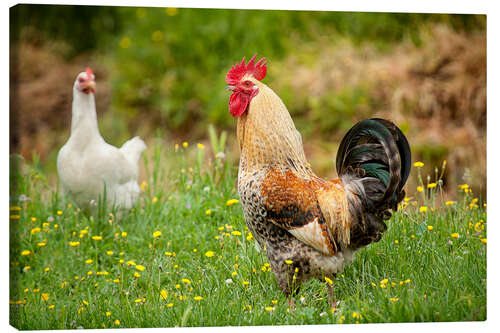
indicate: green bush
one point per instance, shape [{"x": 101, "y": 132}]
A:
[{"x": 171, "y": 63}]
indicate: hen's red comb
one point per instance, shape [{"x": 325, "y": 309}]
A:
[
  {"x": 89, "y": 73},
  {"x": 257, "y": 70}
]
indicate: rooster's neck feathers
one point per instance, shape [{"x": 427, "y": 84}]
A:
[{"x": 267, "y": 134}]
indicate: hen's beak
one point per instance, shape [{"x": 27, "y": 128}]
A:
[
  {"x": 230, "y": 87},
  {"x": 91, "y": 86}
]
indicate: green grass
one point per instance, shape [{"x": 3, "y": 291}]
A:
[{"x": 436, "y": 277}]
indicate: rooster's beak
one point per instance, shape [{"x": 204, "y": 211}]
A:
[{"x": 230, "y": 87}]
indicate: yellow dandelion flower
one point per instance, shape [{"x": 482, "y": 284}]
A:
[
  {"x": 109, "y": 253},
  {"x": 52, "y": 306},
  {"x": 418, "y": 164},
  {"x": 125, "y": 43},
  {"x": 108, "y": 314},
  {"x": 156, "y": 234},
  {"x": 170, "y": 305},
  {"x": 163, "y": 294},
  {"x": 396, "y": 242},
  {"x": 245, "y": 283},
  {"x": 138, "y": 300},
  {"x": 407, "y": 281},
  {"x": 25, "y": 252},
  {"x": 431, "y": 185},
  {"x": 26, "y": 268},
  {"x": 420, "y": 188},
  {"x": 131, "y": 263},
  {"x": 198, "y": 298},
  {"x": 116, "y": 280},
  {"x": 45, "y": 297},
  {"x": 209, "y": 254},
  {"x": 89, "y": 261},
  {"x": 231, "y": 202},
  {"x": 140, "y": 268},
  {"x": 234, "y": 273},
  {"x": 423, "y": 209},
  {"x": 187, "y": 281},
  {"x": 137, "y": 275},
  {"x": 185, "y": 144},
  {"x": 97, "y": 237},
  {"x": 208, "y": 212},
  {"x": 46, "y": 269},
  {"x": 236, "y": 233},
  {"x": 157, "y": 36},
  {"x": 124, "y": 234},
  {"x": 90, "y": 273},
  {"x": 171, "y": 11},
  {"x": 373, "y": 284},
  {"x": 288, "y": 262},
  {"x": 463, "y": 186},
  {"x": 35, "y": 230},
  {"x": 117, "y": 322},
  {"x": 430, "y": 227},
  {"x": 393, "y": 299},
  {"x": 269, "y": 308},
  {"x": 200, "y": 146},
  {"x": 449, "y": 203},
  {"x": 329, "y": 281},
  {"x": 483, "y": 240},
  {"x": 16, "y": 208},
  {"x": 455, "y": 235},
  {"x": 356, "y": 315},
  {"x": 59, "y": 212},
  {"x": 154, "y": 200}
]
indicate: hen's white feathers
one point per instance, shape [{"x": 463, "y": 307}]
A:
[{"x": 86, "y": 164}]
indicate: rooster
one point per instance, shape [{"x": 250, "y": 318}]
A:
[
  {"x": 90, "y": 168},
  {"x": 310, "y": 227}
]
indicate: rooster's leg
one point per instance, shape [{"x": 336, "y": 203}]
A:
[
  {"x": 291, "y": 302},
  {"x": 331, "y": 297}
]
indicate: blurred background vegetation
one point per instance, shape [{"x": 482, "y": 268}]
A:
[{"x": 160, "y": 74}]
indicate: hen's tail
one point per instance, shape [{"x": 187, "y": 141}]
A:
[
  {"x": 133, "y": 148},
  {"x": 373, "y": 161}
]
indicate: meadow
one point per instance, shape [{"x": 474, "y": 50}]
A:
[{"x": 183, "y": 256}]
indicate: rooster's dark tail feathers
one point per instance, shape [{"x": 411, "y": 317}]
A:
[{"x": 373, "y": 161}]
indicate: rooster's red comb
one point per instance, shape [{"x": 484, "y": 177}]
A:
[
  {"x": 257, "y": 70},
  {"x": 89, "y": 73}
]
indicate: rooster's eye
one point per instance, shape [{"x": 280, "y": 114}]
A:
[
  {"x": 81, "y": 79},
  {"x": 248, "y": 83}
]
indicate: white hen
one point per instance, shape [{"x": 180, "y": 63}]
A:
[{"x": 87, "y": 165}]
